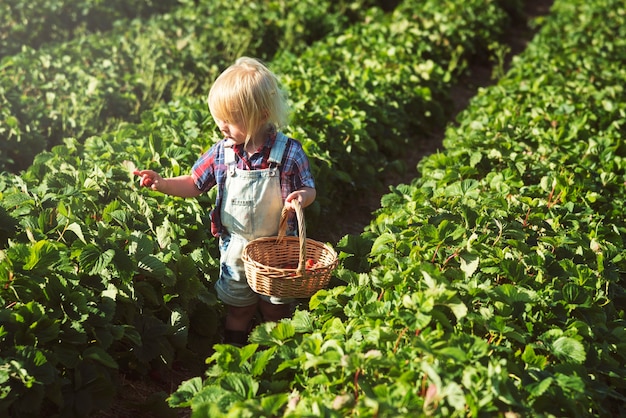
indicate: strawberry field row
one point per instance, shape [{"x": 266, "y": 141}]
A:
[
  {"x": 493, "y": 284},
  {"x": 89, "y": 84},
  {"x": 382, "y": 79},
  {"x": 35, "y": 23},
  {"x": 98, "y": 275}
]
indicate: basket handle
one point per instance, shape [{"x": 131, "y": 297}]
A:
[{"x": 282, "y": 231}]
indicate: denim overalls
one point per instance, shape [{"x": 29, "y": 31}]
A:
[{"x": 251, "y": 208}]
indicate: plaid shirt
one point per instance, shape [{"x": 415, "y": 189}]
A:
[{"x": 211, "y": 170}]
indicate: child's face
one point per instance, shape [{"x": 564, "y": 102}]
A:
[{"x": 232, "y": 130}]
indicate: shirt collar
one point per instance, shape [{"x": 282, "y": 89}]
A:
[{"x": 269, "y": 142}]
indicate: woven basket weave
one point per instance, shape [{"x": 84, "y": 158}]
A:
[{"x": 268, "y": 262}]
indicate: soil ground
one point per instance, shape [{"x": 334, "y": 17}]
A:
[{"x": 140, "y": 397}]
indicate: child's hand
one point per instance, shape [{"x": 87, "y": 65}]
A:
[
  {"x": 305, "y": 196},
  {"x": 149, "y": 178},
  {"x": 289, "y": 205}
]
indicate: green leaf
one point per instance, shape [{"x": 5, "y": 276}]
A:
[
  {"x": 131, "y": 334},
  {"x": 76, "y": 229},
  {"x": 179, "y": 320},
  {"x": 270, "y": 333},
  {"x": 242, "y": 384},
  {"x": 43, "y": 255},
  {"x": 469, "y": 264},
  {"x": 334, "y": 326},
  {"x": 569, "y": 350},
  {"x": 140, "y": 245},
  {"x": 537, "y": 389},
  {"x": 164, "y": 234},
  {"x": 382, "y": 243},
  {"x": 571, "y": 383},
  {"x": 94, "y": 260},
  {"x": 464, "y": 188},
  {"x": 246, "y": 352},
  {"x": 98, "y": 354},
  {"x": 4, "y": 377},
  {"x": 262, "y": 360},
  {"x": 182, "y": 397},
  {"x": 532, "y": 359},
  {"x": 273, "y": 404},
  {"x": 454, "y": 394},
  {"x": 456, "y": 354},
  {"x": 457, "y": 307},
  {"x": 302, "y": 321},
  {"x": 153, "y": 267},
  {"x": 355, "y": 244},
  {"x": 148, "y": 293},
  {"x": 572, "y": 293}
]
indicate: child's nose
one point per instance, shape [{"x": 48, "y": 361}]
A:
[{"x": 223, "y": 127}]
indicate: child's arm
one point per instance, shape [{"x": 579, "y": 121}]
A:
[
  {"x": 305, "y": 195},
  {"x": 182, "y": 186}
]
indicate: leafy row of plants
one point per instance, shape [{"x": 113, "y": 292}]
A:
[
  {"x": 128, "y": 268},
  {"x": 89, "y": 84},
  {"x": 342, "y": 123},
  {"x": 493, "y": 284},
  {"x": 345, "y": 130},
  {"x": 383, "y": 79},
  {"x": 63, "y": 206},
  {"x": 96, "y": 277},
  {"x": 39, "y": 22}
]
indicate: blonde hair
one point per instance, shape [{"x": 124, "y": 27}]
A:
[{"x": 248, "y": 93}]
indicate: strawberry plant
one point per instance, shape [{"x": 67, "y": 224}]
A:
[
  {"x": 493, "y": 283},
  {"x": 383, "y": 78},
  {"x": 98, "y": 277},
  {"x": 35, "y": 23},
  {"x": 92, "y": 82}
]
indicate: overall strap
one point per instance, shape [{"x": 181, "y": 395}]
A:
[
  {"x": 230, "y": 159},
  {"x": 276, "y": 155}
]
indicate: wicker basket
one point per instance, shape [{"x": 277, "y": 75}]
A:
[{"x": 268, "y": 262}]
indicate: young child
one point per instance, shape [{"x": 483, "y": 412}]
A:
[{"x": 257, "y": 171}]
